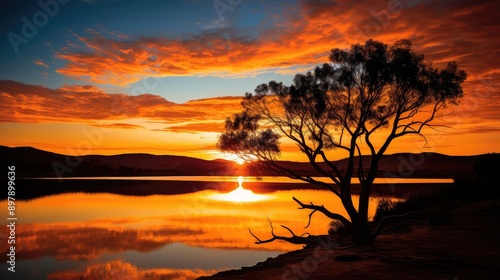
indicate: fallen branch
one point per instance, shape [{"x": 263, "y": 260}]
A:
[{"x": 294, "y": 239}]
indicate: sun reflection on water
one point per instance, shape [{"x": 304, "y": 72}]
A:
[
  {"x": 241, "y": 194},
  {"x": 189, "y": 234}
]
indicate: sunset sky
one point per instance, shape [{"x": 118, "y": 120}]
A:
[{"x": 114, "y": 76}]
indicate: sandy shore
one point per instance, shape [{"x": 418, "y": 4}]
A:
[{"x": 466, "y": 247}]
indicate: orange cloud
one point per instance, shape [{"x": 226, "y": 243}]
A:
[
  {"x": 81, "y": 88},
  {"x": 24, "y": 103},
  {"x": 119, "y": 125},
  {"x": 197, "y": 127},
  {"x": 40, "y": 62},
  {"x": 221, "y": 53},
  {"x": 300, "y": 37}
]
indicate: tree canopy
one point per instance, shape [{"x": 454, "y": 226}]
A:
[{"x": 367, "y": 90}]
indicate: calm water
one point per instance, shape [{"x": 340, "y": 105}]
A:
[
  {"x": 265, "y": 179},
  {"x": 182, "y": 236}
]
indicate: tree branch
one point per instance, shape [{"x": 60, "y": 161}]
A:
[
  {"x": 310, "y": 217},
  {"x": 294, "y": 239},
  {"x": 361, "y": 172},
  {"x": 326, "y": 212},
  {"x": 333, "y": 167},
  {"x": 293, "y": 175}
]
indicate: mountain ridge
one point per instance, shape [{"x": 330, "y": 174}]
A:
[{"x": 33, "y": 162}]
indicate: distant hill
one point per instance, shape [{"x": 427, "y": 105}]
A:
[
  {"x": 32, "y": 162},
  {"x": 423, "y": 165}
]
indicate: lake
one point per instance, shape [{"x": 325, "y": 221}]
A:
[
  {"x": 182, "y": 235},
  {"x": 264, "y": 179}
]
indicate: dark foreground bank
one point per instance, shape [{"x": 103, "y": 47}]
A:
[{"x": 464, "y": 247}]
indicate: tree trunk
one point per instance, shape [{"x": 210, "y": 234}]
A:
[
  {"x": 346, "y": 199},
  {"x": 361, "y": 233},
  {"x": 359, "y": 218}
]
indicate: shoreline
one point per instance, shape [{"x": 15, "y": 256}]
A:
[{"x": 465, "y": 248}]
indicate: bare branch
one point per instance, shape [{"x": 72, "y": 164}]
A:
[
  {"x": 287, "y": 228},
  {"x": 334, "y": 168},
  {"x": 294, "y": 175},
  {"x": 326, "y": 212},
  {"x": 294, "y": 239},
  {"x": 310, "y": 217},
  {"x": 258, "y": 239},
  {"x": 361, "y": 175}
]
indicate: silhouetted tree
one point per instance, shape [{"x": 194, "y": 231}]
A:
[{"x": 369, "y": 90}]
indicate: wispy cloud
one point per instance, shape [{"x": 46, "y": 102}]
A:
[
  {"x": 119, "y": 125},
  {"x": 299, "y": 38},
  {"x": 40, "y": 62},
  {"x": 88, "y": 104},
  {"x": 196, "y": 127}
]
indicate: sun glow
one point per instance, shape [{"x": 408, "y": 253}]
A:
[
  {"x": 241, "y": 194},
  {"x": 233, "y": 157}
]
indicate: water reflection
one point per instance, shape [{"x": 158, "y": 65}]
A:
[
  {"x": 240, "y": 194},
  {"x": 119, "y": 269},
  {"x": 265, "y": 179},
  {"x": 78, "y": 234}
]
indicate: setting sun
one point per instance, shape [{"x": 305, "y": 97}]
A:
[{"x": 233, "y": 157}]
